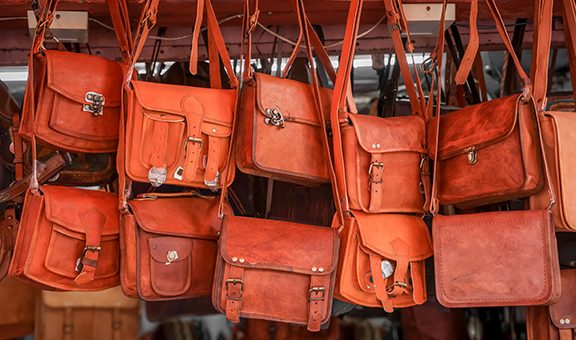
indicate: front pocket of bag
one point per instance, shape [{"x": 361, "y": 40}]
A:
[
  {"x": 170, "y": 265},
  {"x": 165, "y": 147},
  {"x": 67, "y": 246}
]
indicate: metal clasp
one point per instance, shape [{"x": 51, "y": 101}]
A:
[
  {"x": 316, "y": 291},
  {"x": 234, "y": 282},
  {"x": 274, "y": 117},
  {"x": 171, "y": 256},
  {"x": 79, "y": 264},
  {"x": 193, "y": 140},
  {"x": 472, "y": 155},
  {"x": 95, "y": 103},
  {"x": 373, "y": 165}
]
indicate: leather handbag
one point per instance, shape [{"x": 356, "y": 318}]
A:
[
  {"x": 68, "y": 240},
  {"x": 73, "y": 100},
  {"x": 381, "y": 261},
  {"x": 175, "y": 245},
  {"x": 87, "y": 315},
  {"x": 556, "y": 321},
  {"x": 276, "y": 270},
  {"x": 488, "y": 152},
  {"x": 18, "y": 309},
  {"x": 278, "y": 114},
  {"x": 177, "y": 134},
  {"x": 557, "y": 126},
  {"x": 384, "y": 166}
]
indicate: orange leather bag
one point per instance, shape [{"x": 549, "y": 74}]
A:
[
  {"x": 557, "y": 126},
  {"x": 488, "y": 152},
  {"x": 381, "y": 261},
  {"x": 73, "y": 100},
  {"x": 275, "y": 270},
  {"x": 68, "y": 240},
  {"x": 175, "y": 244},
  {"x": 278, "y": 115},
  {"x": 176, "y": 134},
  {"x": 556, "y": 321}
]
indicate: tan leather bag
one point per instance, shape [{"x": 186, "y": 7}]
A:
[
  {"x": 557, "y": 126},
  {"x": 87, "y": 316},
  {"x": 175, "y": 244},
  {"x": 73, "y": 100},
  {"x": 68, "y": 240},
  {"x": 176, "y": 134},
  {"x": 278, "y": 115},
  {"x": 556, "y": 321},
  {"x": 488, "y": 152},
  {"x": 18, "y": 308}
]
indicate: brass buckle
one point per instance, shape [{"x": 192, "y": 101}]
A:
[
  {"x": 193, "y": 140},
  {"x": 373, "y": 165},
  {"x": 234, "y": 282},
  {"x": 316, "y": 291},
  {"x": 79, "y": 264}
]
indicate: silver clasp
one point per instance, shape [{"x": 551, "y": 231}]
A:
[
  {"x": 274, "y": 117},
  {"x": 472, "y": 155},
  {"x": 95, "y": 103}
]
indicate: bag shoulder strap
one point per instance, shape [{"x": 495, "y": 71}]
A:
[
  {"x": 543, "y": 10},
  {"x": 569, "y": 15}
]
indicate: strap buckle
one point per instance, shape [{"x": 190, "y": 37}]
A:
[
  {"x": 234, "y": 282},
  {"x": 316, "y": 294},
  {"x": 373, "y": 165},
  {"x": 193, "y": 140},
  {"x": 93, "y": 249}
]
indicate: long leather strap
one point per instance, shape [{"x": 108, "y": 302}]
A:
[
  {"x": 541, "y": 50},
  {"x": 569, "y": 15}
]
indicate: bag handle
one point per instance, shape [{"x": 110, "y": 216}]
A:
[
  {"x": 473, "y": 45},
  {"x": 437, "y": 64},
  {"x": 543, "y": 11}
]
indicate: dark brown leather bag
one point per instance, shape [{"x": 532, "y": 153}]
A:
[
  {"x": 68, "y": 240},
  {"x": 176, "y": 244},
  {"x": 177, "y": 134},
  {"x": 556, "y": 321},
  {"x": 73, "y": 100},
  {"x": 87, "y": 316},
  {"x": 489, "y": 152}
]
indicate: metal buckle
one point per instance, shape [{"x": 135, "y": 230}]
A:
[
  {"x": 234, "y": 282},
  {"x": 274, "y": 117},
  {"x": 95, "y": 103},
  {"x": 193, "y": 140},
  {"x": 316, "y": 291},
  {"x": 472, "y": 155},
  {"x": 79, "y": 264},
  {"x": 373, "y": 165}
]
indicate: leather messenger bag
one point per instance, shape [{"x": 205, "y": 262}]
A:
[
  {"x": 73, "y": 100},
  {"x": 488, "y": 152},
  {"x": 68, "y": 240},
  {"x": 177, "y": 134}
]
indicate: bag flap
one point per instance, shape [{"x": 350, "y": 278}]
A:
[
  {"x": 563, "y": 312},
  {"x": 195, "y": 217},
  {"x": 378, "y": 232},
  {"x": 294, "y": 99},
  {"x": 395, "y": 134},
  {"x": 109, "y": 298},
  {"x": 65, "y": 206},
  {"x": 564, "y": 126},
  {"x": 217, "y": 105},
  {"x": 75, "y": 74},
  {"x": 279, "y": 245},
  {"x": 170, "y": 249},
  {"x": 474, "y": 126}
]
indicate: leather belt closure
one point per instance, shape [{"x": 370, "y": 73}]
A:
[
  {"x": 316, "y": 294},
  {"x": 375, "y": 172},
  {"x": 234, "y": 287},
  {"x": 93, "y": 221}
]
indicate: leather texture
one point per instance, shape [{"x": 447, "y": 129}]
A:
[
  {"x": 261, "y": 144},
  {"x": 269, "y": 330},
  {"x": 555, "y": 322},
  {"x": 17, "y": 315},
  {"x": 496, "y": 259},
  {"x": 63, "y": 84},
  {"x": 487, "y": 152},
  {"x": 181, "y": 131},
  {"x": 275, "y": 270},
  {"x": 370, "y": 239},
  {"x": 8, "y": 232},
  {"x": 68, "y": 240},
  {"x": 176, "y": 246},
  {"x": 385, "y": 164},
  {"x": 87, "y": 315}
]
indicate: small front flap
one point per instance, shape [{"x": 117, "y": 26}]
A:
[
  {"x": 109, "y": 298},
  {"x": 293, "y": 99},
  {"x": 395, "y": 134},
  {"x": 70, "y": 207},
  {"x": 278, "y": 245},
  {"x": 474, "y": 126},
  {"x": 563, "y": 312},
  {"x": 170, "y": 249},
  {"x": 565, "y": 128},
  {"x": 379, "y": 233},
  {"x": 75, "y": 74},
  {"x": 195, "y": 217},
  {"x": 215, "y": 105}
]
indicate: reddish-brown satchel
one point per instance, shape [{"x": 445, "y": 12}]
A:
[
  {"x": 177, "y": 134},
  {"x": 175, "y": 244},
  {"x": 68, "y": 239},
  {"x": 556, "y": 321},
  {"x": 72, "y": 99},
  {"x": 489, "y": 152}
]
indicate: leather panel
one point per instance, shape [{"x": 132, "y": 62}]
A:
[{"x": 564, "y": 308}]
